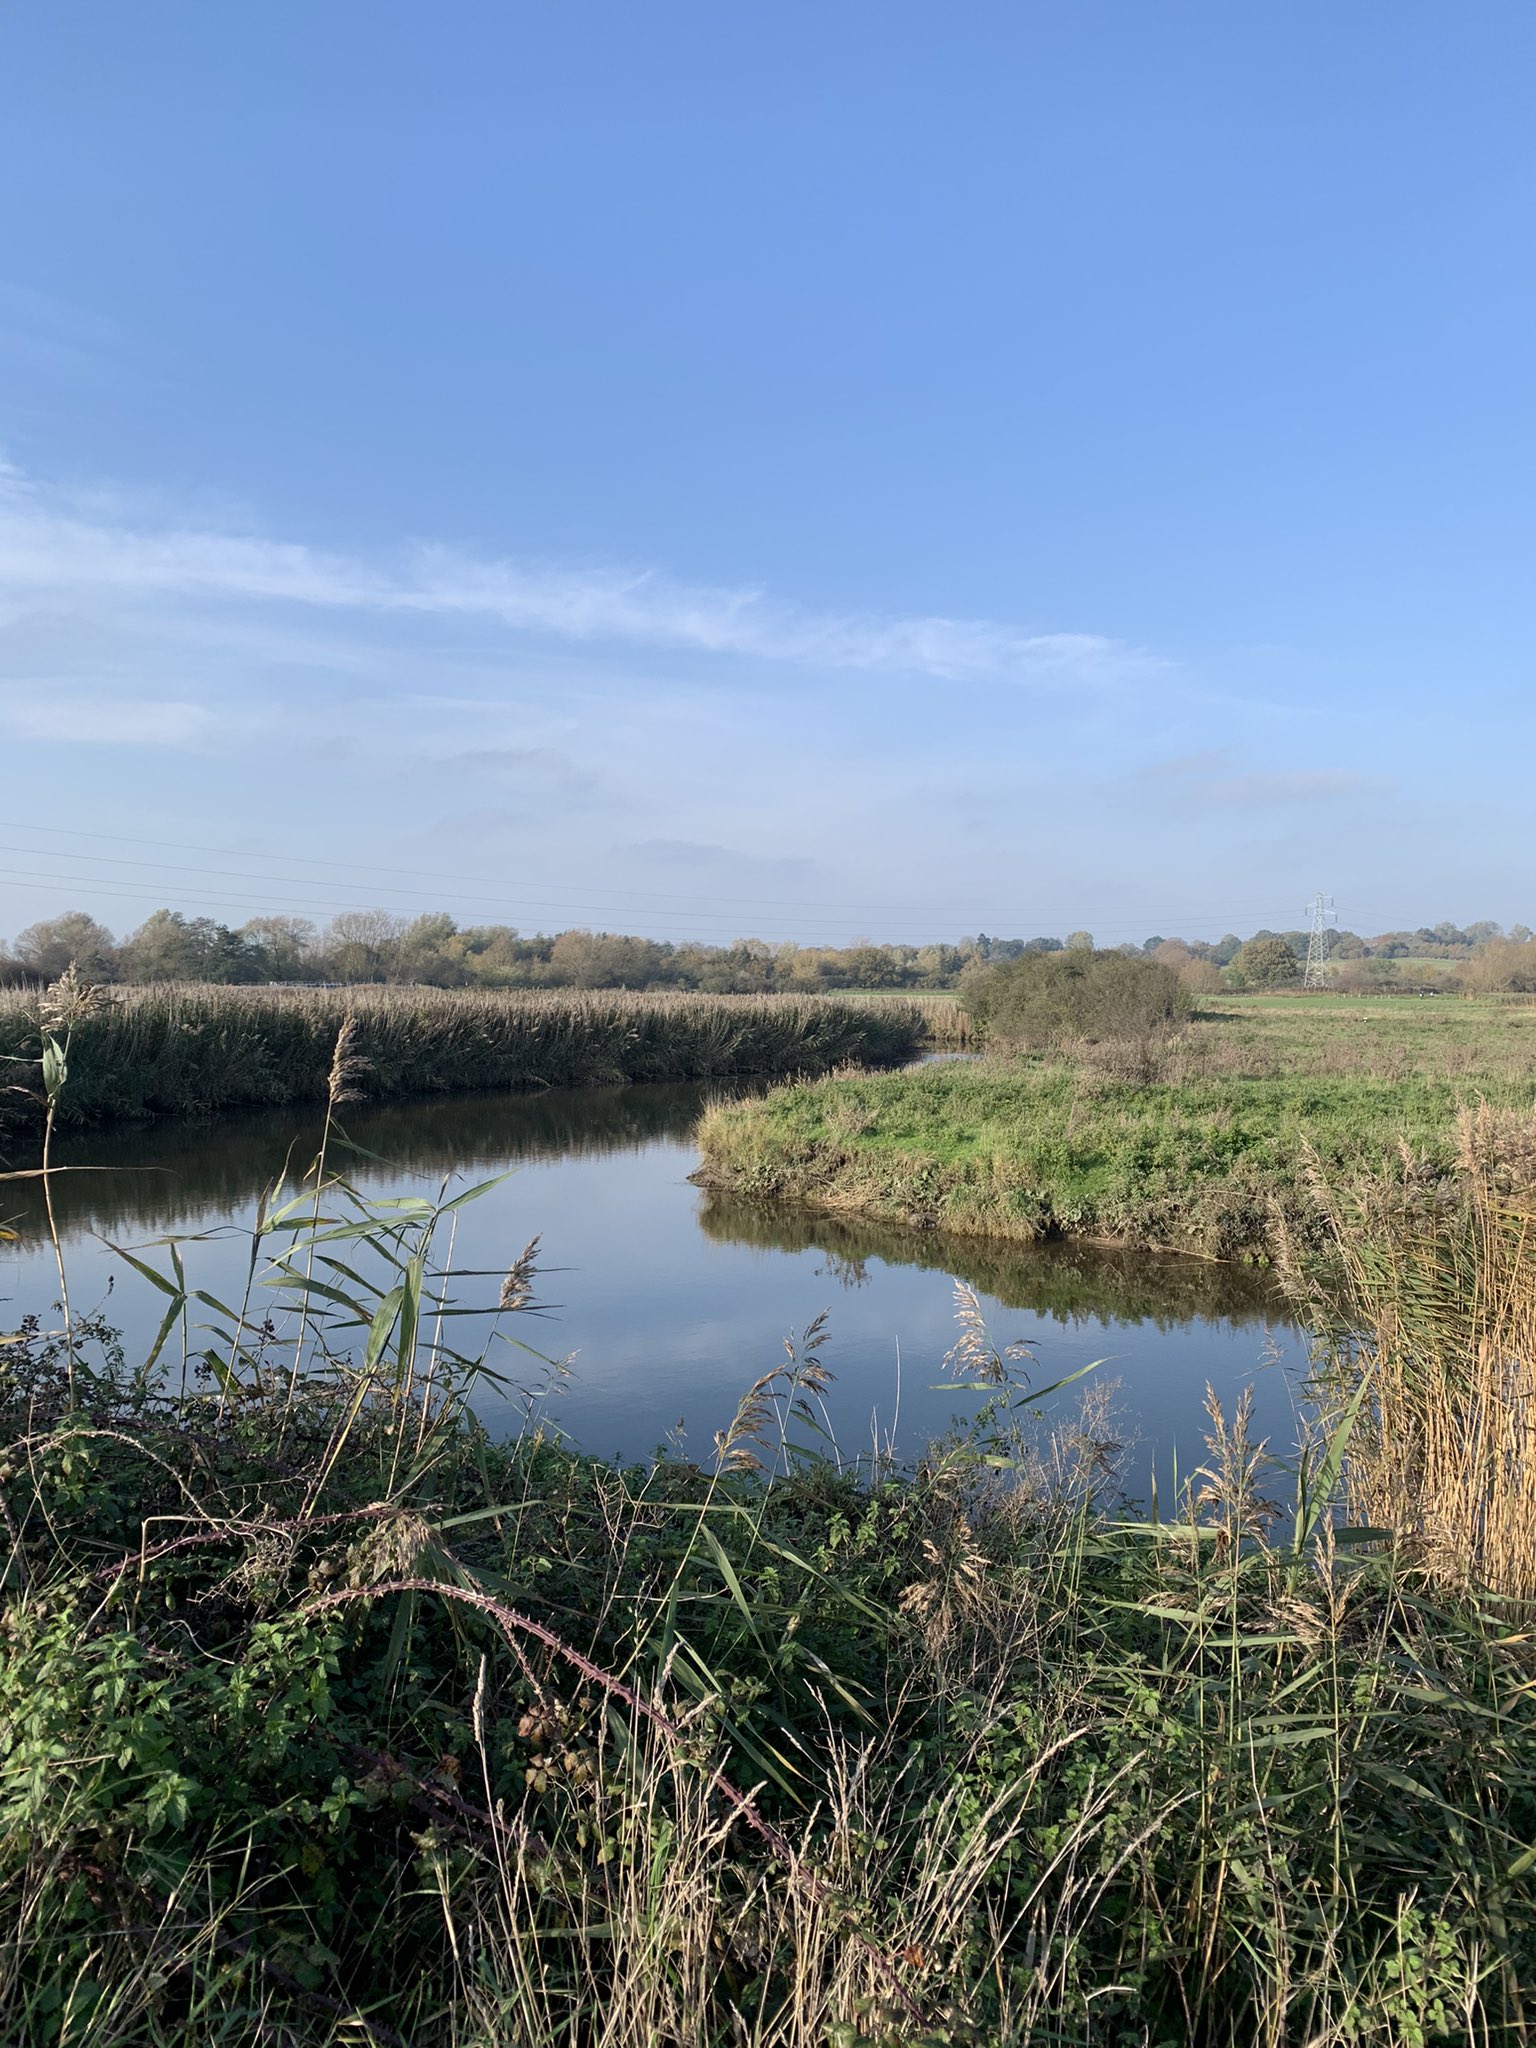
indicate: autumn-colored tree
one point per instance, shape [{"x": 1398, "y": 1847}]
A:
[{"x": 1265, "y": 963}]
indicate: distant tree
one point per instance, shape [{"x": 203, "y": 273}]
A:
[
  {"x": 606, "y": 960},
  {"x": 1042, "y": 945},
  {"x": 363, "y": 945},
  {"x": 1202, "y": 977},
  {"x": 170, "y": 947},
  {"x": 47, "y": 948},
  {"x": 431, "y": 951},
  {"x": 1485, "y": 929},
  {"x": 1265, "y": 963},
  {"x": 286, "y": 945},
  {"x": 1046, "y": 999},
  {"x": 874, "y": 967},
  {"x": 499, "y": 957},
  {"x": 937, "y": 966},
  {"x": 1368, "y": 973},
  {"x": 1520, "y": 933},
  {"x": 1151, "y": 945},
  {"x": 1502, "y": 964},
  {"x": 1226, "y": 949},
  {"x": 1079, "y": 942}
]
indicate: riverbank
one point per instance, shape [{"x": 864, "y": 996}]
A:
[
  {"x": 1205, "y": 1143},
  {"x": 196, "y": 1050},
  {"x": 325, "y": 1719}
]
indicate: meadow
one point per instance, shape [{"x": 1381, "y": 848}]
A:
[
  {"x": 1206, "y": 1140},
  {"x": 193, "y": 1050}
]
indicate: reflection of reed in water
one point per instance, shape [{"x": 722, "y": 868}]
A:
[
  {"x": 174, "y": 1173},
  {"x": 1065, "y": 1279}
]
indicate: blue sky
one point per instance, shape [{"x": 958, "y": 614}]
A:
[{"x": 812, "y": 470}]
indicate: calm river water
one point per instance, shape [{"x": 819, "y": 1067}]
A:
[{"x": 673, "y": 1301}]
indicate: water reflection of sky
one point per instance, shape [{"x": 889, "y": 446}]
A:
[{"x": 672, "y": 1302}]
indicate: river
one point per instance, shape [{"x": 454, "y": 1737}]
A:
[{"x": 669, "y": 1301}]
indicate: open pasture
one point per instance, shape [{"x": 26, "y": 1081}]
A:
[{"x": 1203, "y": 1142}]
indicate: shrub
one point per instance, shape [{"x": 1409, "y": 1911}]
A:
[
  {"x": 1048, "y": 999},
  {"x": 1265, "y": 963},
  {"x": 1503, "y": 964}
]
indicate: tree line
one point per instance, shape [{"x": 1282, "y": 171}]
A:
[{"x": 434, "y": 950}]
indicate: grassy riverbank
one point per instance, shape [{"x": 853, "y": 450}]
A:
[
  {"x": 324, "y": 1720},
  {"x": 1203, "y": 1143},
  {"x": 191, "y": 1051}
]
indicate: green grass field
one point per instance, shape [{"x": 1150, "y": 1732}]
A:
[{"x": 1203, "y": 1144}]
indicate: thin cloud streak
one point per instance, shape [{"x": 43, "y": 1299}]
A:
[{"x": 50, "y": 551}]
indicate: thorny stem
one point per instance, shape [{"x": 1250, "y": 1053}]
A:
[{"x": 740, "y": 1803}]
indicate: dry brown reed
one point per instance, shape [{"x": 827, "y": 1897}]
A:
[
  {"x": 192, "y": 1049},
  {"x": 1440, "y": 1305}
]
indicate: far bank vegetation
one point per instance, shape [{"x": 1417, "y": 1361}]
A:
[
  {"x": 434, "y": 950},
  {"x": 190, "y": 1050}
]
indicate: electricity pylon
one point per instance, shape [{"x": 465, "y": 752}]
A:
[{"x": 1320, "y": 909}]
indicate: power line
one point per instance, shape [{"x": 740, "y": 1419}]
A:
[{"x": 547, "y": 895}]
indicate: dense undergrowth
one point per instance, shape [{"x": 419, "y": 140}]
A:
[
  {"x": 1204, "y": 1141},
  {"x": 325, "y": 1719},
  {"x": 185, "y": 1050}
]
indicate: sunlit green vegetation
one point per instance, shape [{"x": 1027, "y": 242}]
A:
[{"x": 1205, "y": 1140}]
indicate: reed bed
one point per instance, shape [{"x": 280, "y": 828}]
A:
[
  {"x": 194, "y": 1050},
  {"x": 1434, "y": 1297},
  {"x": 947, "y": 1023}
]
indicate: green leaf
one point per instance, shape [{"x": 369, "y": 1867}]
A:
[{"x": 379, "y": 1329}]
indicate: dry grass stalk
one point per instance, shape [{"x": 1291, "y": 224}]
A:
[{"x": 1442, "y": 1294}]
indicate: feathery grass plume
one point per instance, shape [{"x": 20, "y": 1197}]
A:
[
  {"x": 973, "y": 1356},
  {"x": 517, "y": 1286},
  {"x": 69, "y": 1001},
  {"x": 757, "y": 1438},
  {"x": 347, "y": 1066},
  {"x": 1224, "y": 1493}
]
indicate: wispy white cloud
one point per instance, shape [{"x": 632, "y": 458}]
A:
[
  {"x": 75, "y": 719},
  {"x": 55, "y": 551}
]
